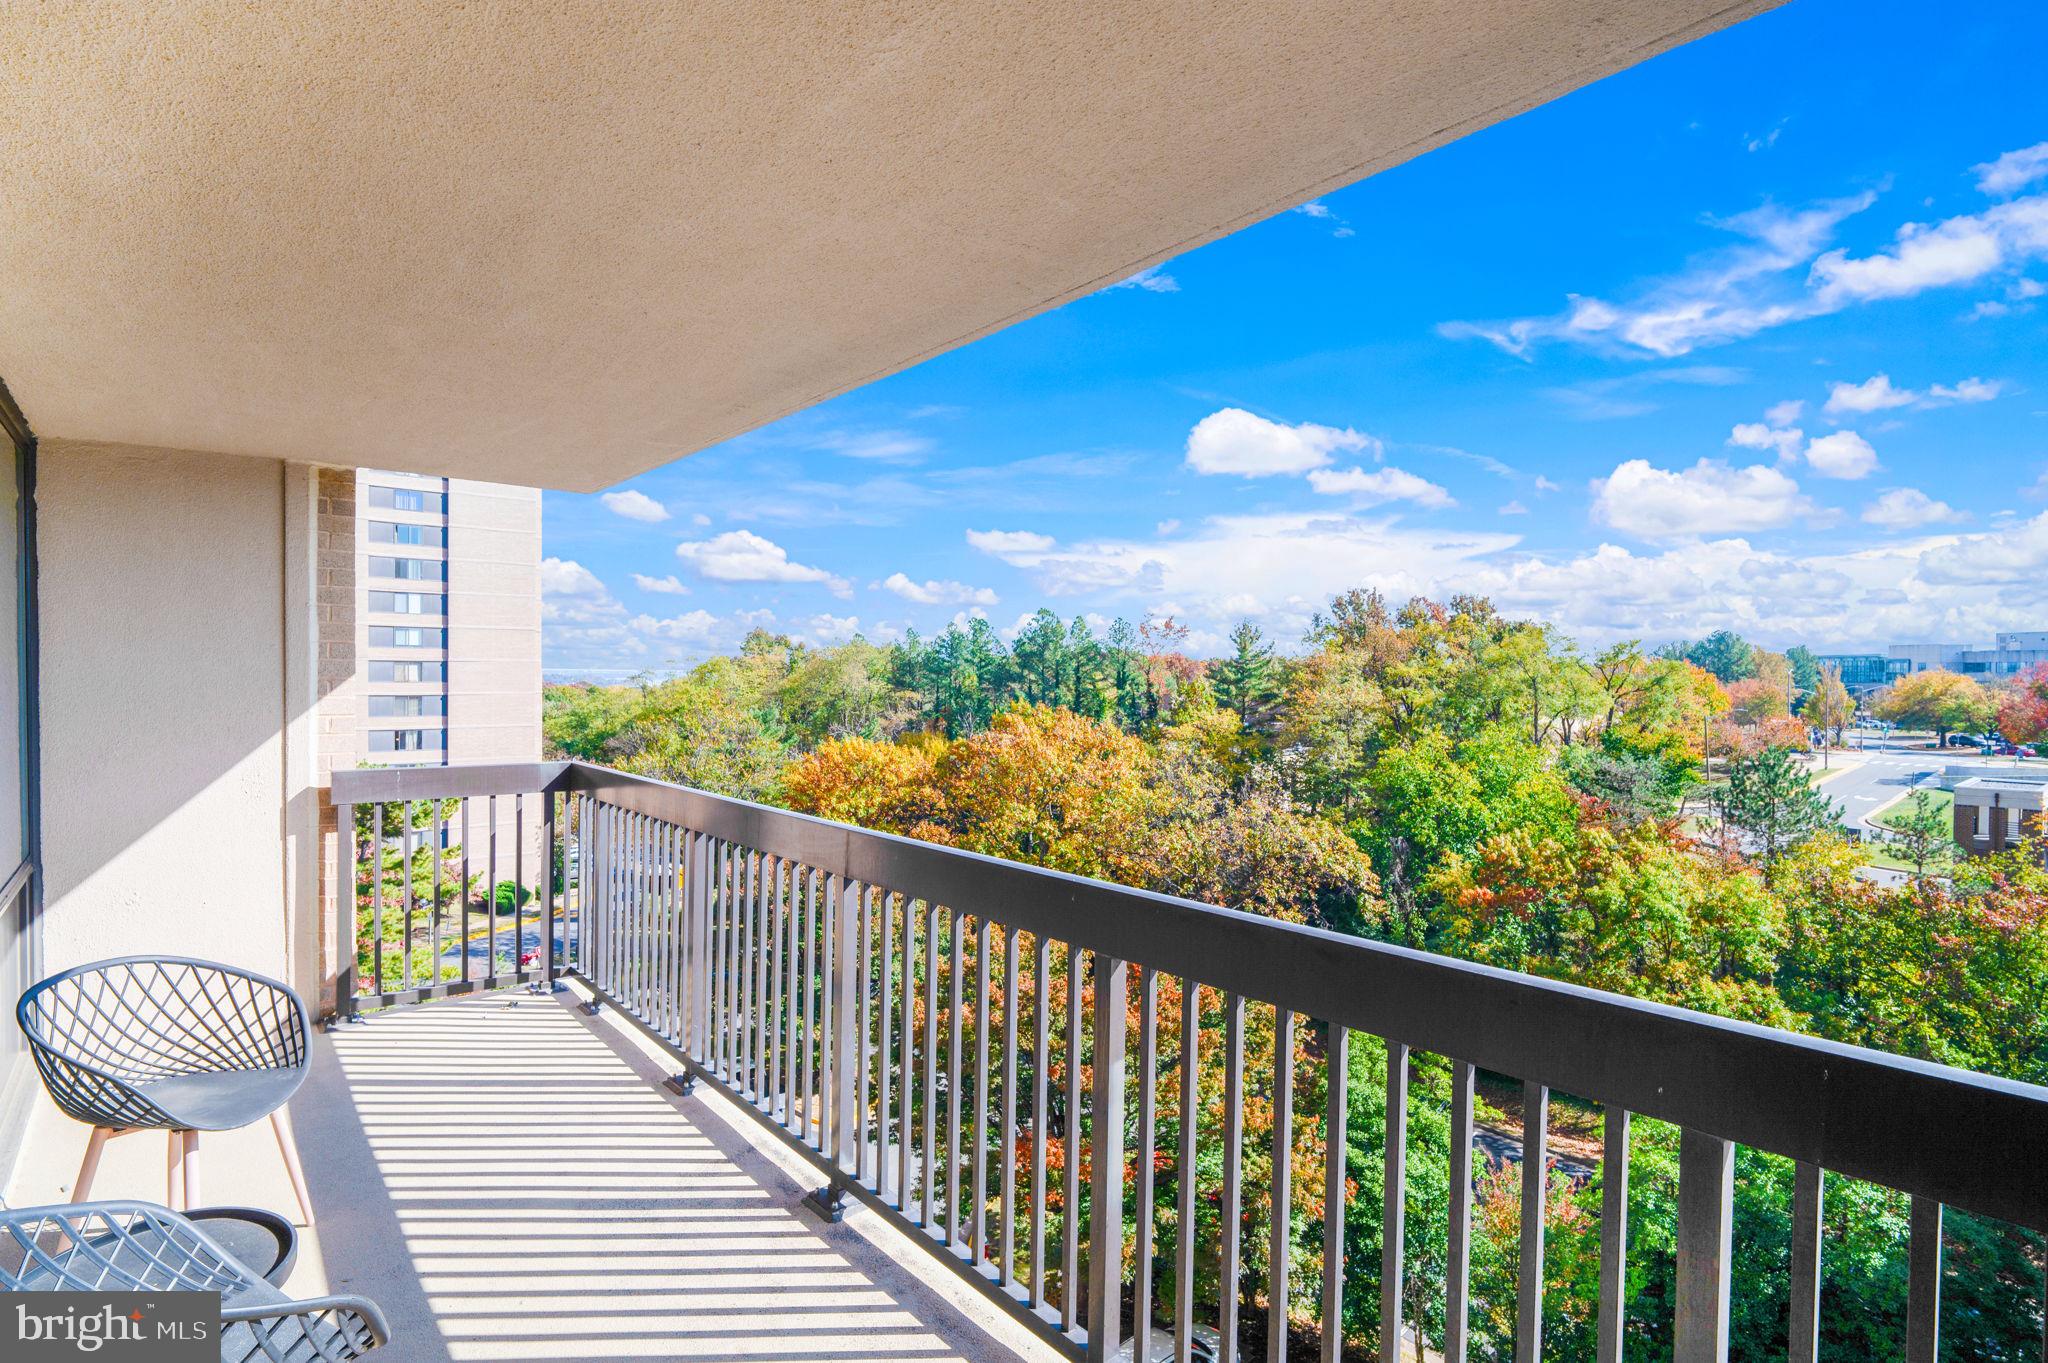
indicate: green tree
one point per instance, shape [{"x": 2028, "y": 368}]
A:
[
  {"x": 1806, "y": 668},
  {"x": 1726, "y": 654},
  {"x": 1772, "y": 804},
  {"x": 1939, "y": 700},
  {"x": 1926, "y": 835},
  {"x": 1248, "y": 681}
]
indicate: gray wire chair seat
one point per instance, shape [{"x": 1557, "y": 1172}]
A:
[
  {"x": 141, "y": 1247},
  {"x": 168, "y": 1043}
]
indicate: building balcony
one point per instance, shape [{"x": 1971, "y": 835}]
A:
[{"x": 622, "y": 1117}]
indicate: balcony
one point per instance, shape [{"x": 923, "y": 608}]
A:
[{"x": 889, "y": 1030}]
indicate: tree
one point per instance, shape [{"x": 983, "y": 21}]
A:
[
  {"x": 1248, "y": 680},
  {"x": 1829, "y": 707},
  {"x": 1726, "y": 654},
  {"x": 1770, "y": 802},
  {"x": 1939, "y": 700},
  {"x": 1806, "y": 669},
  {"x": 2023, "y": 709},
  {"x": 1926, "y": 834}
]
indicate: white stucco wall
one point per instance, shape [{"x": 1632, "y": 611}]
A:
[{"x": 163, "y": 685}]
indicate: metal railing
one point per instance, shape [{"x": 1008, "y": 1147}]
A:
[{"x": 945, "y": 1034}]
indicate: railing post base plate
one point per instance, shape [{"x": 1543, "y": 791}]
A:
[
  {"x": 594, "y": 1007},
  {"x": 829, "y": 1202},
  {"x": 682, "y": 1085}
]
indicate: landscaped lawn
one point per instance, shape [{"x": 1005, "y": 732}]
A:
[{"x": 1894, "y": 814}]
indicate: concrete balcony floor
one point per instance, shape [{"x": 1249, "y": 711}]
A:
[{"x": 508, "y": 1180}]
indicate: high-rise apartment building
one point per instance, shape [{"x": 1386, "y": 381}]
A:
[{"x": 448, "y": 620}]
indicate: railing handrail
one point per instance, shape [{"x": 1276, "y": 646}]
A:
[{"x": 1967, "y": 1140}]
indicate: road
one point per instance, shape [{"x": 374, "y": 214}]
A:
[{"x": 1882, "y": 777}]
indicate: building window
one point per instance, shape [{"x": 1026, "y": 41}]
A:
[
  {"x": 389, "y": 532},
  {"x": 386, "y": 670},
  {"x": 406, "y": 740},
  {"x": 2012, "y": 823},
  {"x": 409, "y": 569},
  {"x": 409, "y": 603},
  {"x": 407, "y": 499},
  {"x": 395, "y": 636},
  {"x": 407, "y": 707},
  {"x": 1977, "y": 822}
]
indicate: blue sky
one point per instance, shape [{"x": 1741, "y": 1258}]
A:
[{"x": 1752, "y": 335}]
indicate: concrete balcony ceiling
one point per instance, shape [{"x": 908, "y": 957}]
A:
[{"x": 562, "y": 243}]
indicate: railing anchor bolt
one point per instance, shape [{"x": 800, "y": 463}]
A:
[
  {"x": 594, "y": 1007},
  {"x": 829, "y": 1202},
  {"x": 682, "y": 1085}
]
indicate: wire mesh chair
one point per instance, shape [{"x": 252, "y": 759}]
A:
[
  {"x": 141, "y": 1247},
  {"x": 168, "y": 1044}
]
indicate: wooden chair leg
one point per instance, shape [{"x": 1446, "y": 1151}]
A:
[
  {"x": 174, "y": 1172},
  {"x": 191, "y": 1163},
  {"x": 288, "y": 1145},
  {"x": 89, "y": 1167}
]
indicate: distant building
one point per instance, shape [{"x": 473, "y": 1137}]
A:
[
  {"x": 448, "y": 620},
  {"x": 1866, "y": 672},
  {"x": 2013, "y": 651},
  {"x": 1992, "y": 813}
]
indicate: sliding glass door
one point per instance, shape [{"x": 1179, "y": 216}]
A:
[{"x": 19, "y": 891}]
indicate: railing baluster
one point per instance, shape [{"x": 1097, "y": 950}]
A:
[
  {"x": 1282, "y": 1196},
  {"x": 1184, "y": 1172},
  {"x": 885, "y": 940},
  {"x": 864, "y": 925},
  {"x": 764, "y": 979},
  {"x": 1808, "y": 1203},
  {"x": 405, "y": 889},
  {"x": 792, "y": 1057},
  {"x": 1070, "y": 1218},
  {"x": 957, "y": 987},
  {"x": 931, "y": 1065},
  {"x": 1458, "y": 1267},
  {"x": 1923, "y": 1282},
  {"x": 1335, "y": 1115},
  {"x": 491, "y": 895},
  {"x": 805, "y": 1127},
  {"x": 1614, "y": 1235},
  {"x": 434, "y": 922},
  {"x": 847, "y": 896},
  {"x": 1006, "y": 1232},
  {"x": 1231, "y": 1210},
  {"x": 977, "y": 1235},
  {"x": 1394, "y": 1217},
  {"x": 1041, "y": 1123},
  {"x": 832, "y": 891},
  {"x": 377, "y": 898},
  {"x": 1706, "y": 1199},
  {"x": 679, "y": 916},
  {"x": 518, "y": 886},
  {"x": 721, "y": 937},
  {"x": 1142, "y": 1210},
  {"x": 905, "y": 1076},
  {"x": 462, "y": 807},
  {"x": 1106, "y": 1151},
  {"x": 1535, "y": 1193}
]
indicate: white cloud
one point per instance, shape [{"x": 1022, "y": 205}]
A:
[
  {"x": 1783, "y": 441},
  {"x": 1844, "y": 454},
  {"x": 1708, "y": 498},
  {"x": 1874, "y": 394},
  {"x": 699, "y": 518},
  {"x": 663, "y": 586},
  {"x": 884, "y": 447},
  {"x": 938, "y": 593},
  {"x": 2014, "y": 170},
  {"x": 1233, "y": 440},
  {"x": 1969, "y": 390},
  {"x": 696, "y": 627},
  {"x": 1381, "y": 485},
  {"x": 1513, "y": 509},
  {"x": 1784, "y": 413},
  {"x": 634, "y": 506},
  {"x": 743, "y": 556},
  {"x": 2012, "y": 556},
  {"x": 1782, "y": 271},
  {"x": 831, "y": 629},
  {"x": 1545, "y": 485},
  {"x": 1315, "y": 208},
  {"x": 1907, "y": 508},
  {"x": 567, "y": 577},
  {"x": 1150, "y": 280},
  {"x": 1166, "y": 527},
  {"x": 1021, "y": 548}
]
